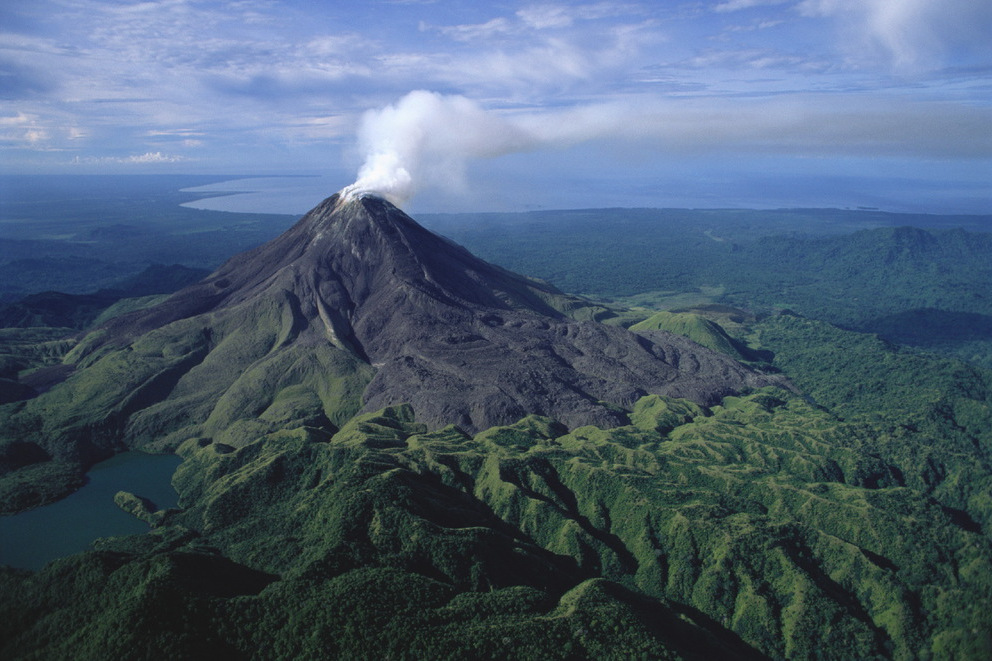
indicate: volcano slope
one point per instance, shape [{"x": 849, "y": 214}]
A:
[{"x": 355, "y": 308}]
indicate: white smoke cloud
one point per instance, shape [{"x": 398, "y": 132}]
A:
[{"x": 427, "y": 140}]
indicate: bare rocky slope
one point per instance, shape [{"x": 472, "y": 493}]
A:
[{"x": 464, "y": 341}]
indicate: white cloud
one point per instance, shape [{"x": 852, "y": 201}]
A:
[
  {"x": 20, "y": 119},
  {"x": 335, "y": 45},
  {"x": 533, "y": 18},
  {"x": 749, "y": 59},
  {"x": 552, "y": 16},
  {"x": 175, "y": 132},
  {"x": 318, "y": 129},
  {"x": 751, "y": 27},
  {"x": 23, "y": 130},
  {"x": 529, "y": 68},
  {"x": 914, "y": 33},
  {"x": 542, "y": 17},
  {"x": 187, "y": 138},
  {"x": 738, "y": 5},
  {"x": 156, "y": 157},
  {"x": 487, "y": 30},
  {"x": 152, "y": 157},
  {"x": 34, "y": 136},
  {"x": 555, "y": 61}
]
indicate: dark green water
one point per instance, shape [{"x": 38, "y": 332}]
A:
[{"x": 32, "y": 539}]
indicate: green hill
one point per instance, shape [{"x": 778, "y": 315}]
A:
[{"x": 697, "y": 328}]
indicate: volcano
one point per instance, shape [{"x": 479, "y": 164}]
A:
[
  {"x": 319, "y": 390},
  {"x": 355, "y": 308}
]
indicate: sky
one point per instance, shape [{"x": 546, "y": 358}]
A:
[{"x": 462, "y": 105}]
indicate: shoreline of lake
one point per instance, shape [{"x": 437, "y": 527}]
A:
[{"x": 32, "y": 539}]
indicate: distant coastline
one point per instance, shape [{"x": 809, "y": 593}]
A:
[
  {"x": 290, "y": 194},
  {"x": 295, "y": 194}
]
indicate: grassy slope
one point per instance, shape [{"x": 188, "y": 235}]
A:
[{"x": 697, "y": 328}]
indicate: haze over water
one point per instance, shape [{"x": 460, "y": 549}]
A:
[{"x": 297, "y": 195}]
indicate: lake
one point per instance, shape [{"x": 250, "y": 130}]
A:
[{"x": 31, "y": 539}]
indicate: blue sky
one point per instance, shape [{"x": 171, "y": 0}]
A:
[{"x": 516, "y": 104}]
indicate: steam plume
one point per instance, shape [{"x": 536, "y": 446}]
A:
[{"x": 426, "y": 140}]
